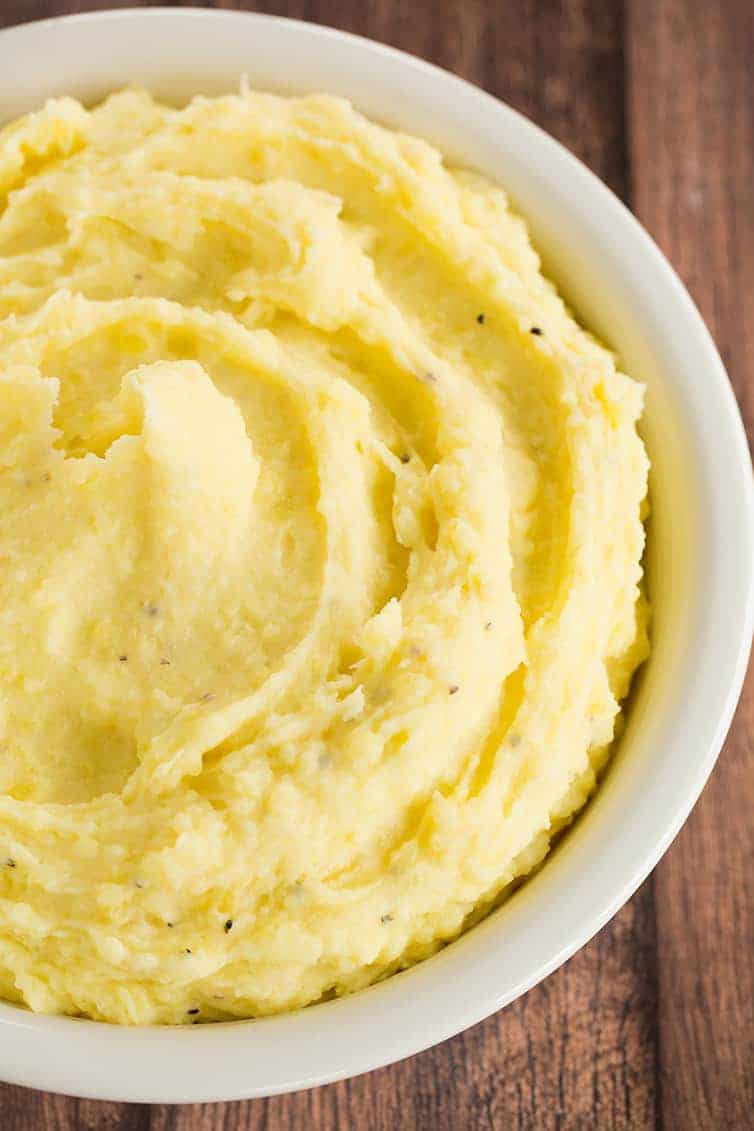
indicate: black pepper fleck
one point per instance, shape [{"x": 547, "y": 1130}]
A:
[
  {"x": 123, "y": 658},
  {"x": 405, "y": 458},
  {"x": 228, "y": 925},
  {"x": 453, "y": 689},
  {"x": 164, "y": 663},
  {"x": 168, "y": 924},
  {"x": 192, "y": 1012},
  {"x": 151, "y": 609},
  {"x": 480, "y": 319},
  {"x": 388, "y": 918},
  {"x": 187, "y": 950},
  {"x": 10, "y": 862},
  {"x": 536, "y": 330},
  {"x": 488, "y": 626}
]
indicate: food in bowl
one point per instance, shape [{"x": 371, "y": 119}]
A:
[{"x": 320, "y": 562}]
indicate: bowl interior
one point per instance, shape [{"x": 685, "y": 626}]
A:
[{"x": 701, "y": 498}]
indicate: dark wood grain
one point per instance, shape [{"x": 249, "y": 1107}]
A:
[
  {"x": 651, "y": 1024},
  {"x": 691, "y": 110}
]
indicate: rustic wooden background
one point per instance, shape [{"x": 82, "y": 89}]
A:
[{"x": 652, "y": 1024}]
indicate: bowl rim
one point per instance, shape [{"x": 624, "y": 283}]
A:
[{"x": 321, "y": 1044}]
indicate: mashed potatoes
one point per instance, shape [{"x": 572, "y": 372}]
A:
[{"x": 319, "y": 557}]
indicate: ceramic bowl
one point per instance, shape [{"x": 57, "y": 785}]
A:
[{"x": 700, "y": 556}]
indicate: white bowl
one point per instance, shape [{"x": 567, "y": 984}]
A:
[{"x": 701, "y": 557}]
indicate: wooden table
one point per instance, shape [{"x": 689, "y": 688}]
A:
[{"x": 652, "y": 1024}]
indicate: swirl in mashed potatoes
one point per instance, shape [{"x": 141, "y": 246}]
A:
[{"x": 320, "y": 557}]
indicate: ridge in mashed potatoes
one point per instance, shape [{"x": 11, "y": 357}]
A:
[{"x": 320, "y": 558}]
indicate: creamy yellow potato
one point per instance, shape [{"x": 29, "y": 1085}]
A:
[{"x": 319, "y": 557}]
